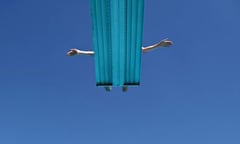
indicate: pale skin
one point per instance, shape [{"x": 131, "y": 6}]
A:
[{"x": 162, "y": 44}]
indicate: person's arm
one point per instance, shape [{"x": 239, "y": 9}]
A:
[
  {"x": 75, "y": 51},
  {"x": 162, "y": 44}
]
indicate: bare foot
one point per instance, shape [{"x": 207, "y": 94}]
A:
[
  {"x": 108, "y": 88},
  {"x": 125, "y": 88}
]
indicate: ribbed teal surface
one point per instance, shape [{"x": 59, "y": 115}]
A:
[{"x": 117, "y": 37}]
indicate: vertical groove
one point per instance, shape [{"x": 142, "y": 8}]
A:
[
  {"x": 100, "y": 36},
  {"x": 131, "y": 42},
  {"x": 140, "y": 11},
  {"x": 122, "y": 41},
  {"x": 126, "y": 42},
  {"x": 95, "y": 39},
  {"x": 109, "y": 46}
]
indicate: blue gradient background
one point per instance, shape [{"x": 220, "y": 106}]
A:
[{"x": 189, "y": 93}]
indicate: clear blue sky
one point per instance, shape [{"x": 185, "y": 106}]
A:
[{"x": 189, "y": 93}]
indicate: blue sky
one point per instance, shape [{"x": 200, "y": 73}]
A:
[{"x": 189, "y": 93}]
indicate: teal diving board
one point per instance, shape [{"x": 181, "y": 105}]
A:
[{"x": 117, "y": 39}]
